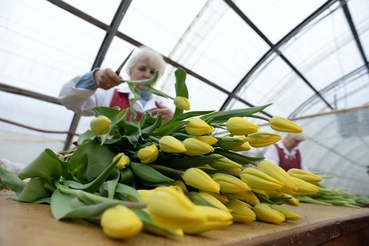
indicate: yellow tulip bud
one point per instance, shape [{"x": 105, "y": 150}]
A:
[
  {"x": 304, "y": 175},
  {"x": 263, "y": 139},
  {"x": 248, "y": 196},
  {"x": 170, "y": 144},
  {"x": 224, "y": 164},
  {"x": 197, "y": 178},
  {"x": 305, "y": 188},
  {"x": 281, "y": 124},
  {"x": 123, "y": 162},
  {"x": 170, "y": 209},
  {"x": 100, "y": 125},
  {"x": 145, "y": 194},
  {"x": 182, "y": 103},
  {"x": 244, "y": 147},
  {"x": 148, "y": 154},
  {"x": 288, "y": 214},
  {"x": 292, "y": 201},
  {"x": 120, "y": 222},
  {"x": 207, "y": 139},
  {"x": 262, "y": 192},
  {"x": 215, "y": 219},
  {"x": 222, "y": 198},
  {"x": 213, "y": 200},
  {"x": 198, "y": 127},
  {"x": 230, "y": 184},
  {"x": 230, "y": 143},
  {"x": 260, "y": 180},
  {"x": 241, "y": 211},
  {"x": 241, "y": 126},
  {"x": 195, "y": 147},
  {"x": 267, "y": 214},
  {"x": 278, "y": 173}
]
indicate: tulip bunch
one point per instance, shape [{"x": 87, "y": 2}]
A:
[{"x": 169, "y": 179}]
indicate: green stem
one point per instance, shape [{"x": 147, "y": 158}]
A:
[
  {"x": 168, "y": 169},
  {"x": 96, "y": 198},
  {"x": 259, "y": 117},
  {"x": 154, "y": 138}
]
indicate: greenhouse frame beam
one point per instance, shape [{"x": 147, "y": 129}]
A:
[
  {"x": 354, "y": 32},
  {"x": 274, "y": 49}
]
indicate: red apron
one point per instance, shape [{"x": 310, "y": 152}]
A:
[
  {"x": 287, "y": 162},
  {"x": 122, "y": 101}
]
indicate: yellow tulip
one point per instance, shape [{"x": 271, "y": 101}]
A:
[
  {"x": 120, "y": 222},
  {"x": 195, "y": 147},
  {"x": 170, "y": 209},
  {"x": 292, "y": 201},
  {"x": 304, "y": 175},
  {"x": 230, "y": 143},
  {"x": 182, "y": 103},
  {"x": 170, "y": 144},
  {"x": 197, "y": 178},
  {"x": 244, "y": 147},
  {"x": 241, "y": 126},
  {"x": 305, "y": 188},
  {"x": 241, "y": 211},
  {"x": 263, "y": 139},
  {"x": 123, "y": 162},
  {"x": 213, "y": 200},
  {"x": 207, "y": 139},
  {"x": 100, "y": 125},
  {"x": 267, "y": 214},
  {"x": 198, "y": 127},
  {"x": 224, "y": 164},
  {"x": 222, "y": 198},
  {"x": 281, "y": 124},
  {"x": 247, "y": 196},
  {"x": 278, "y": 173},
  {"x": 288, "y": 214},
  {"x": 215, "y": 219},
  {"x": 145, "y": 194},
  {"x": 148, "y": 154},
  {"x": 260, "y": 180},
  {"x": 230, "y": 184}
]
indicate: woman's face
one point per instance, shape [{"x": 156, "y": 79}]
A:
[{"x": 142, "y": 70}]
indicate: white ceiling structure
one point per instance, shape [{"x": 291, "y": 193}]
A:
[{"x": 308, "y": 58}]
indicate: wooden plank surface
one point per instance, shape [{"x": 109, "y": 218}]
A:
[{"x": 32, "y": 224}]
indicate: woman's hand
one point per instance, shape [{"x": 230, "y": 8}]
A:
[
  {"x": 107, "y": 78},
  {"x": 166, "y": 113}
]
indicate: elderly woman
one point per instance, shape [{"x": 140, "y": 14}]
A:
[
  {"x": 285, "y": 153},
  {"x": 100, "y": 88}
]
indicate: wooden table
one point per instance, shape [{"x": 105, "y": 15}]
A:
[{"x": 29, "y": 224}]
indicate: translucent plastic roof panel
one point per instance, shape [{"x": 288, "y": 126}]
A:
[
  {"x": 159, "y": 24},
  {"x": 361, "y": 21},
  {"x": 43, "y": 46},
  {"x": 325, "y": 50},
  {"x": 278, "y": 17},
  {"x": 101, "y": 10},
  {"x": 276, "y": 83}
]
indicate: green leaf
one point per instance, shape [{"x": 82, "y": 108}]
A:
[
  {"x": 188, "y": 162},
  {"x": 34, "y": 191},
  {"x": 95, "y": 184},
  {"x": 112, "y": 182},
  {"x": 146, "y": 130},
  {"x": 149, "y": 174},
  {"x": 137, "y": 96},
  {"x": 126, "y": 175},
  {"x": 199, "y": 200},
  {"x": 181, "y": 88},
  {"x": 223, "y": 116},
  {"x": 86, "y": 136},
  {"x": 263, "y": 198},
  {"x": 240, "y": 159},
  {"x": 147, "y": 82},
  {"x": 46, "y": 165},
  {"x": 12, "y": 181},
  {"x": 127, "y": 191},
  {"x": 132, "y": 131},
  {"x": 66, "y": 206},
  {"x": 89, "y": 160},
  {"x": 186, "y": 115},
  {"x": 168, "y": 129},
  {"x": 157, "y": 92}
]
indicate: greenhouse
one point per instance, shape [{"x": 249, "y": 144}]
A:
[{"x": 305, "y": 61}]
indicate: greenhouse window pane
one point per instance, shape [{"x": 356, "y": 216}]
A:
[
  {"x": 278, "y": 84},
  {"x": 325, "y": 50},
  {"x": 43, "y": 46},
  {"x": 278, "y": 17},
  {"x": 101, "y": 10},
  {"x": 361, "y": 20},
  {"x": 159, "y": 24}
]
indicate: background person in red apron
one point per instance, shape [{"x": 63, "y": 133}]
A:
[
  {"x": 285, "y": 153},
  {"x": 103, "y": 87}
]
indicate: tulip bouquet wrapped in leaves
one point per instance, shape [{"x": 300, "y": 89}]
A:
[{"x": 170, "y": 178}]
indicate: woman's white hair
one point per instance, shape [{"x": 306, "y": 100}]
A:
[
  {"x": 297, "y": 136},
  {"x": 155, "y": 59}
]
